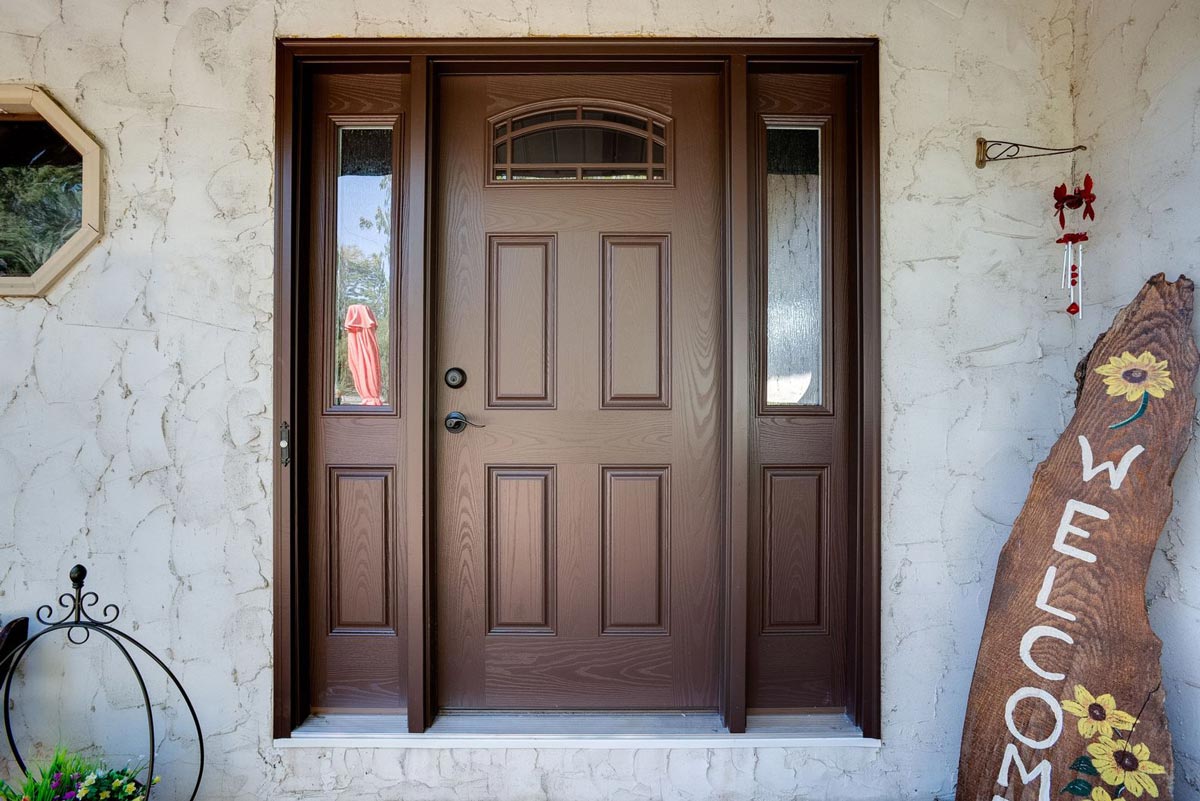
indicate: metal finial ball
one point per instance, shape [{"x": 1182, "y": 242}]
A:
[{"x": 78, "y": 575}]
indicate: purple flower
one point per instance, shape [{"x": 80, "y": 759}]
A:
[{"x": 70, "y": 794}]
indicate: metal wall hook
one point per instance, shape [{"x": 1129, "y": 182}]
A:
[{"x": 986, "y": 151}]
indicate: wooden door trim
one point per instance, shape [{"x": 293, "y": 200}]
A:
[{"x": 425, "y": 59}]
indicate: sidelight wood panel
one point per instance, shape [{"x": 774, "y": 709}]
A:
[
  {"x": 636, "y": 314},
  {"x": 794, "y": 505},
  {"x": 802, "y": 528},
  {"x": 636, "y": 549},
  {"x": 348, "y": 454},
  {"x": 362, "y": 597},
  {"x": 521, "y": 309},
  {"x": 521, "y": 537}
]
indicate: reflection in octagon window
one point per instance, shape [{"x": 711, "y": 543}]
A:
[{"x": 49, "y": 191}]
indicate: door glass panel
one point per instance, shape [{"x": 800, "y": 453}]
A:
[
  {"x": 578, "y": 145},
  {"x": 794, "y": 319},
  {"x": 363, "y": 302},
  {"x": 575, "y": 142}
]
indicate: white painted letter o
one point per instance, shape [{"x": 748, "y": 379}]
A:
[{"x": 1045, "y": 697}]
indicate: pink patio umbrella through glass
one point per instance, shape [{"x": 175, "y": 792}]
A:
[{"x": 362, "y": 352}]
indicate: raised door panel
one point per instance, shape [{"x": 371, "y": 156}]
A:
[
  {"x": 636, "y": 317},
  {"x": 362, "y": 598},
  {"x": 635, "y": 545},
  {"x": 521, "y": 321},
  {"x": 521, "y": 533},
  {"x": 793, "y": 550}
]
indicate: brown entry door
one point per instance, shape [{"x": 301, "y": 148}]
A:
[{"x": 578, "y": 286}]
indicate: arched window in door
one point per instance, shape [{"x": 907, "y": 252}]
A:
[{"x": 574, "y": 140}]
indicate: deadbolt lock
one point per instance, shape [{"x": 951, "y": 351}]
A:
[{"x": 455, "y": 377}]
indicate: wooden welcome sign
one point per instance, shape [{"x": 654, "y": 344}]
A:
[{"x": 1067, "y": 700}]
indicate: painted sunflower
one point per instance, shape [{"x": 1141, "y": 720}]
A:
[
  {"x": 1121, "y": 763},
  {"x": 1134, "y": 376},
  {"x": 1100, "y": 794},
  {"x": 1097, "y": 714}
]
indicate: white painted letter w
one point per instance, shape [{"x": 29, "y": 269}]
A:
[{"x": 1116, "y": 474}]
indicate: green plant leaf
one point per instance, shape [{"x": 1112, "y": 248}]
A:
[
  {"x": 1084, "y": 765},
  {"x": 1078, "y": 787}
]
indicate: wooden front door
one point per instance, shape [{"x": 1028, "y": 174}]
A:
[{"x": 578, "y": 286}]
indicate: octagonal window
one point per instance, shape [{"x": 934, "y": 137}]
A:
[{"x": 49, "y": 191}]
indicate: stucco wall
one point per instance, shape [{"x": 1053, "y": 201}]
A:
[
  {"x": 1137, "y": 90},
  {"x": 135, "y": 400}
]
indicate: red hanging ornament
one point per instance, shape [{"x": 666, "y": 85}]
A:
[{"x": 1072, "y": 242}]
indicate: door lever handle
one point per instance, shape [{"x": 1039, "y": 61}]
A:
[{"x": 457, "y": 422}]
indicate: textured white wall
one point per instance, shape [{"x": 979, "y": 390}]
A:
[
  {"x": 135, "y": 400},
  {"x": 1137, "y": 90}
]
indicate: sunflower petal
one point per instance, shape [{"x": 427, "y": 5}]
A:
[
  {"x": 1084, "y": 698},
  {"x": 1146, "y": 766},
  {"x": 1156, "y": 391},
  {"x": 1135, "y": 392},
  {"x": 1113, "y": 775},
  {"x": 1107, "y": 701},
  {"x": 1075, "y": 708},
  {"x": 1141, "y": 751},
  {"x": 1122, "y": 720}
]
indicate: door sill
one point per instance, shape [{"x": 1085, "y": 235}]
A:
[{"x": 577, "y": 730}]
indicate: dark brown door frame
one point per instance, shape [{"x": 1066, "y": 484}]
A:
[{"x": 424, "y": 59}]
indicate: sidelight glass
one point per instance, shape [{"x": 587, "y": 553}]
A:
[
  {"x": 363, "y": 263},
  {"x": 794, "y": 293}
]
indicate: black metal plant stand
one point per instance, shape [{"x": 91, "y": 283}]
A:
[{"x": 79, "y": 624}]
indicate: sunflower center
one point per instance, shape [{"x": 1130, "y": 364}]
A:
[
  {"x": 1097, "y": 712},
  {"x": 1135, "y": 375},
  {"x": 1126, "y": 760}
]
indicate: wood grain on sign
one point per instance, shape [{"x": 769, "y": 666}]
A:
[{"x": 1067, "y": 699}]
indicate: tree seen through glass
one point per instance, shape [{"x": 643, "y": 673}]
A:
[{"x": 364, "y": 268}]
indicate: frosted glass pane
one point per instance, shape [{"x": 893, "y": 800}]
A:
[
  {"x": 793, "y": 268},
  {"x": 363, "y": 310}
]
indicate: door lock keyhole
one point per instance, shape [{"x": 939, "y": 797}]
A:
[{"x": 455, "y": 377}]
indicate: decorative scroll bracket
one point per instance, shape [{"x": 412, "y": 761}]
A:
[
  {"x": 986, "y": 151},
  {"x": 79, "y": 625}
]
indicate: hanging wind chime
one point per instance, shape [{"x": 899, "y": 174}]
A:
[{"x": 1072, "y": 241}]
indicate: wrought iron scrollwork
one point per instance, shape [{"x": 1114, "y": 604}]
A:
[
  {"x": 987, "y": 151},
  {"x": 79, "y": 623}
]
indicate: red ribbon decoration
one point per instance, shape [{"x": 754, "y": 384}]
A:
[
  {"x": 1082, "y": 197},
  {"x": 1071, "y": 239}
]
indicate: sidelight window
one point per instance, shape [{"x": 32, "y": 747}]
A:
[
  {"x": 794, "y": 276},
  {"x": 580, "y": 140},
  {"x": 363, "y": 260}
]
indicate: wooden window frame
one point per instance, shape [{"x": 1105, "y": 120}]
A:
[
  {"x": 32, "y": 102},
  {"x": 424, "y": 60}
]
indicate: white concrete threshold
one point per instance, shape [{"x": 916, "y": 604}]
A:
[{"x": 578, "y": 730}]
